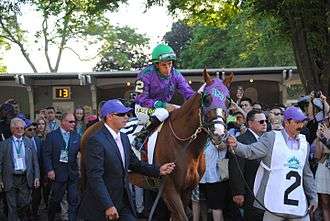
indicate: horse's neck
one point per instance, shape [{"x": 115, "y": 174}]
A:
[{"x": 187, "y": 118}]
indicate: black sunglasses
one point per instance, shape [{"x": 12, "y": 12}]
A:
[
  {"x": 262, "y": 121},
  {"x": 276, "y": 114},
  {"x": 72, "y": 121},
  {"x": 31, "y": 129},
  {"x": 120, "y": 114}
]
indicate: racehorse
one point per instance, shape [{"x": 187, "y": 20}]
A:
[{"x": 181, "y": 139}]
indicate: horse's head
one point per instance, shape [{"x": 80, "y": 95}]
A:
[{"x": 215, "y": 95}]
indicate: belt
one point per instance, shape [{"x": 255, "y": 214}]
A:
[{"x": 19, "y": 174}]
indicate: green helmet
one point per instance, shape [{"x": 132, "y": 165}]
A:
[{"x": 162, "y": 52}]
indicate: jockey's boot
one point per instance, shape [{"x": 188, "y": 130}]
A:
[{"x": 145, "y": 133}]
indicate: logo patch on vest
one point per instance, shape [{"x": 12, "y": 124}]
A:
[{"x": 293, "y": 163}]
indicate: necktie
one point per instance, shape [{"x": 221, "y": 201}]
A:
[
  {"x": 121, "y": 149},
  {"x": 19, "y": 147},
  {"x": 66, "y": 137}
]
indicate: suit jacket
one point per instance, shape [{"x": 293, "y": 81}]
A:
[
  {"x": 39, "y": 149},
  {"x": 248, "y": 167},
  {"x": 107, "y": 178},
  {"x": 54, "y": 143},
  {"x": 7, "y": 168}
]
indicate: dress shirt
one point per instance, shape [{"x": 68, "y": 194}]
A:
[
  {"x": 292, "y": 142},
  {"x": 66, "y": 137},
  {"x": 212, "y": 156},
  {"x": 19, "y": 151},
  {"x": 117, "y": 138}
]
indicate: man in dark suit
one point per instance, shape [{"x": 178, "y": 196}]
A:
[
  {"x": 257, "y": 125},
  {"x": 108, "y": 158},
  {"x": 30, "y": 130},
  {"x": 19, "y": 170},
  {"x": 60, "y": 161}
]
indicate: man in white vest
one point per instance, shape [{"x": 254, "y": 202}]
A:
[{"x": 284, "y": 183}]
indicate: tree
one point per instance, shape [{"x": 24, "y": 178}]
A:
[
  {"x": 126, "y": 53},
  {"x": 244, "y": 42},
  {"x": 306, "y": 23},
  {"x": 178, "y": 37},
  {"x": 63, "y": 23},
  {"x": 3, "y": 47}
]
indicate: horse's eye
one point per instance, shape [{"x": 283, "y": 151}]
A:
[{"x": 207, "y": 100}]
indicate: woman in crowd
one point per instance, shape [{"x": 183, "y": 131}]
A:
[
  {"x": 79, "y": 114},
  {"x": 322, "y": 176},
  {"x": 215, "y": 186},
  {"x": 41, "y": 128}
]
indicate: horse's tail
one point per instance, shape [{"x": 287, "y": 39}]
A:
[{"x": 84, "y": 139}]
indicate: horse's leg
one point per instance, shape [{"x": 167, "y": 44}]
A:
[{"x": 173, "y": 201}]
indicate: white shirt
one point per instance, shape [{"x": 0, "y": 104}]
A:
[
  {"x": 254, "y": 134},
  {"x": 117, "y": 138}
]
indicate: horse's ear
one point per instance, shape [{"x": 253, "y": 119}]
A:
[
  {"x": 228, "y": 79},
  {"x": 207, "y": 77}
]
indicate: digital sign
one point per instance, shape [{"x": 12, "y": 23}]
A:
[{"x": 63, "y": 93}]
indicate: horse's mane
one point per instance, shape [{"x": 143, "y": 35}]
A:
[{"x": 188, "y": 107}]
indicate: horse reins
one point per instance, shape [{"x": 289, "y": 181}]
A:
[{"x": 194, "y": 135}]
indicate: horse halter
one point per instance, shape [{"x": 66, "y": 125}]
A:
[
  {"x": 217, "y": 140},
  {"x": 211, "y": 128}
]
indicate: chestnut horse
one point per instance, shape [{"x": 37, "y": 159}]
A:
[{"x": 181, "y": 140}]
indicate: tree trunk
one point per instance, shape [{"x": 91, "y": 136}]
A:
[{"x": 311, "y": 43}]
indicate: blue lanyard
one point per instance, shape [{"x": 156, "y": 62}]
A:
[{"x": 18, "y": 147}]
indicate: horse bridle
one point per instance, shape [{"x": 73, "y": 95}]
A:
[{"x": 203, "y": 126}]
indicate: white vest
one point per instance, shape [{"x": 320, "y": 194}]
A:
[{"x": 284, "y": 191}]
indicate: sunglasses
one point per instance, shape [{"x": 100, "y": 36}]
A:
[
  {"x": 72, "y": 121},
  {"x": 262, "y": 121},
  {"x": 276, "y": 114},
  {"x": 31, "y": 129},
  {"x": 120, "y": 114}
]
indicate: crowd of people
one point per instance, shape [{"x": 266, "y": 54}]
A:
[{"x": 276, "y": 166}]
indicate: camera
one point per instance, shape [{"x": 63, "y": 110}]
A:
[{"x": 317, "y": 94}]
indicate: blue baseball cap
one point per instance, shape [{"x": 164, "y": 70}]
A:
[
  {"x": 294, "y": 113},
  {"x": 28, "y": 123},
  {"x": 113, "y": 106}
]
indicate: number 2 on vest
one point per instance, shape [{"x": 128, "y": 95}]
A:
[{"x": 297, "y": 183}]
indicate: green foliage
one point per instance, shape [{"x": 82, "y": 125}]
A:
[
  {"x": 245, "y": 42},
  {"x": 305, "y": 23},
  {"x": 178, "y": 37},
  {"x": 124, "y": 53}
]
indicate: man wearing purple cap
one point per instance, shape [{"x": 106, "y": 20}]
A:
[
  {"x": 108, "y": 158},
  {"x": 284, "y": 183}
]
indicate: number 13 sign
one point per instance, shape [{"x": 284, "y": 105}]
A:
[{"x": 62, "y": 93}]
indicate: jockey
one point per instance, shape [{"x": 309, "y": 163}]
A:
[{"x": 155, "y": 87}]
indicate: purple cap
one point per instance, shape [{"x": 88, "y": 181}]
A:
[
  {"x": 28, "y": 123},
  {"x": 113, "y": 106},
  {"x": 294, "y": 113}
]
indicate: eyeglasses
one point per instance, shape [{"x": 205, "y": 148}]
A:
[
  {"x": 31, "y": 129},
  {"x": 120, "y": 114},
  {"x": 243, "y": 105},
  {"x": 276, "y": 114},
  {"x": 19, "y": 128},
  {"x": 72, "y": 121},
  {"x": 262, "y": 121}
]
